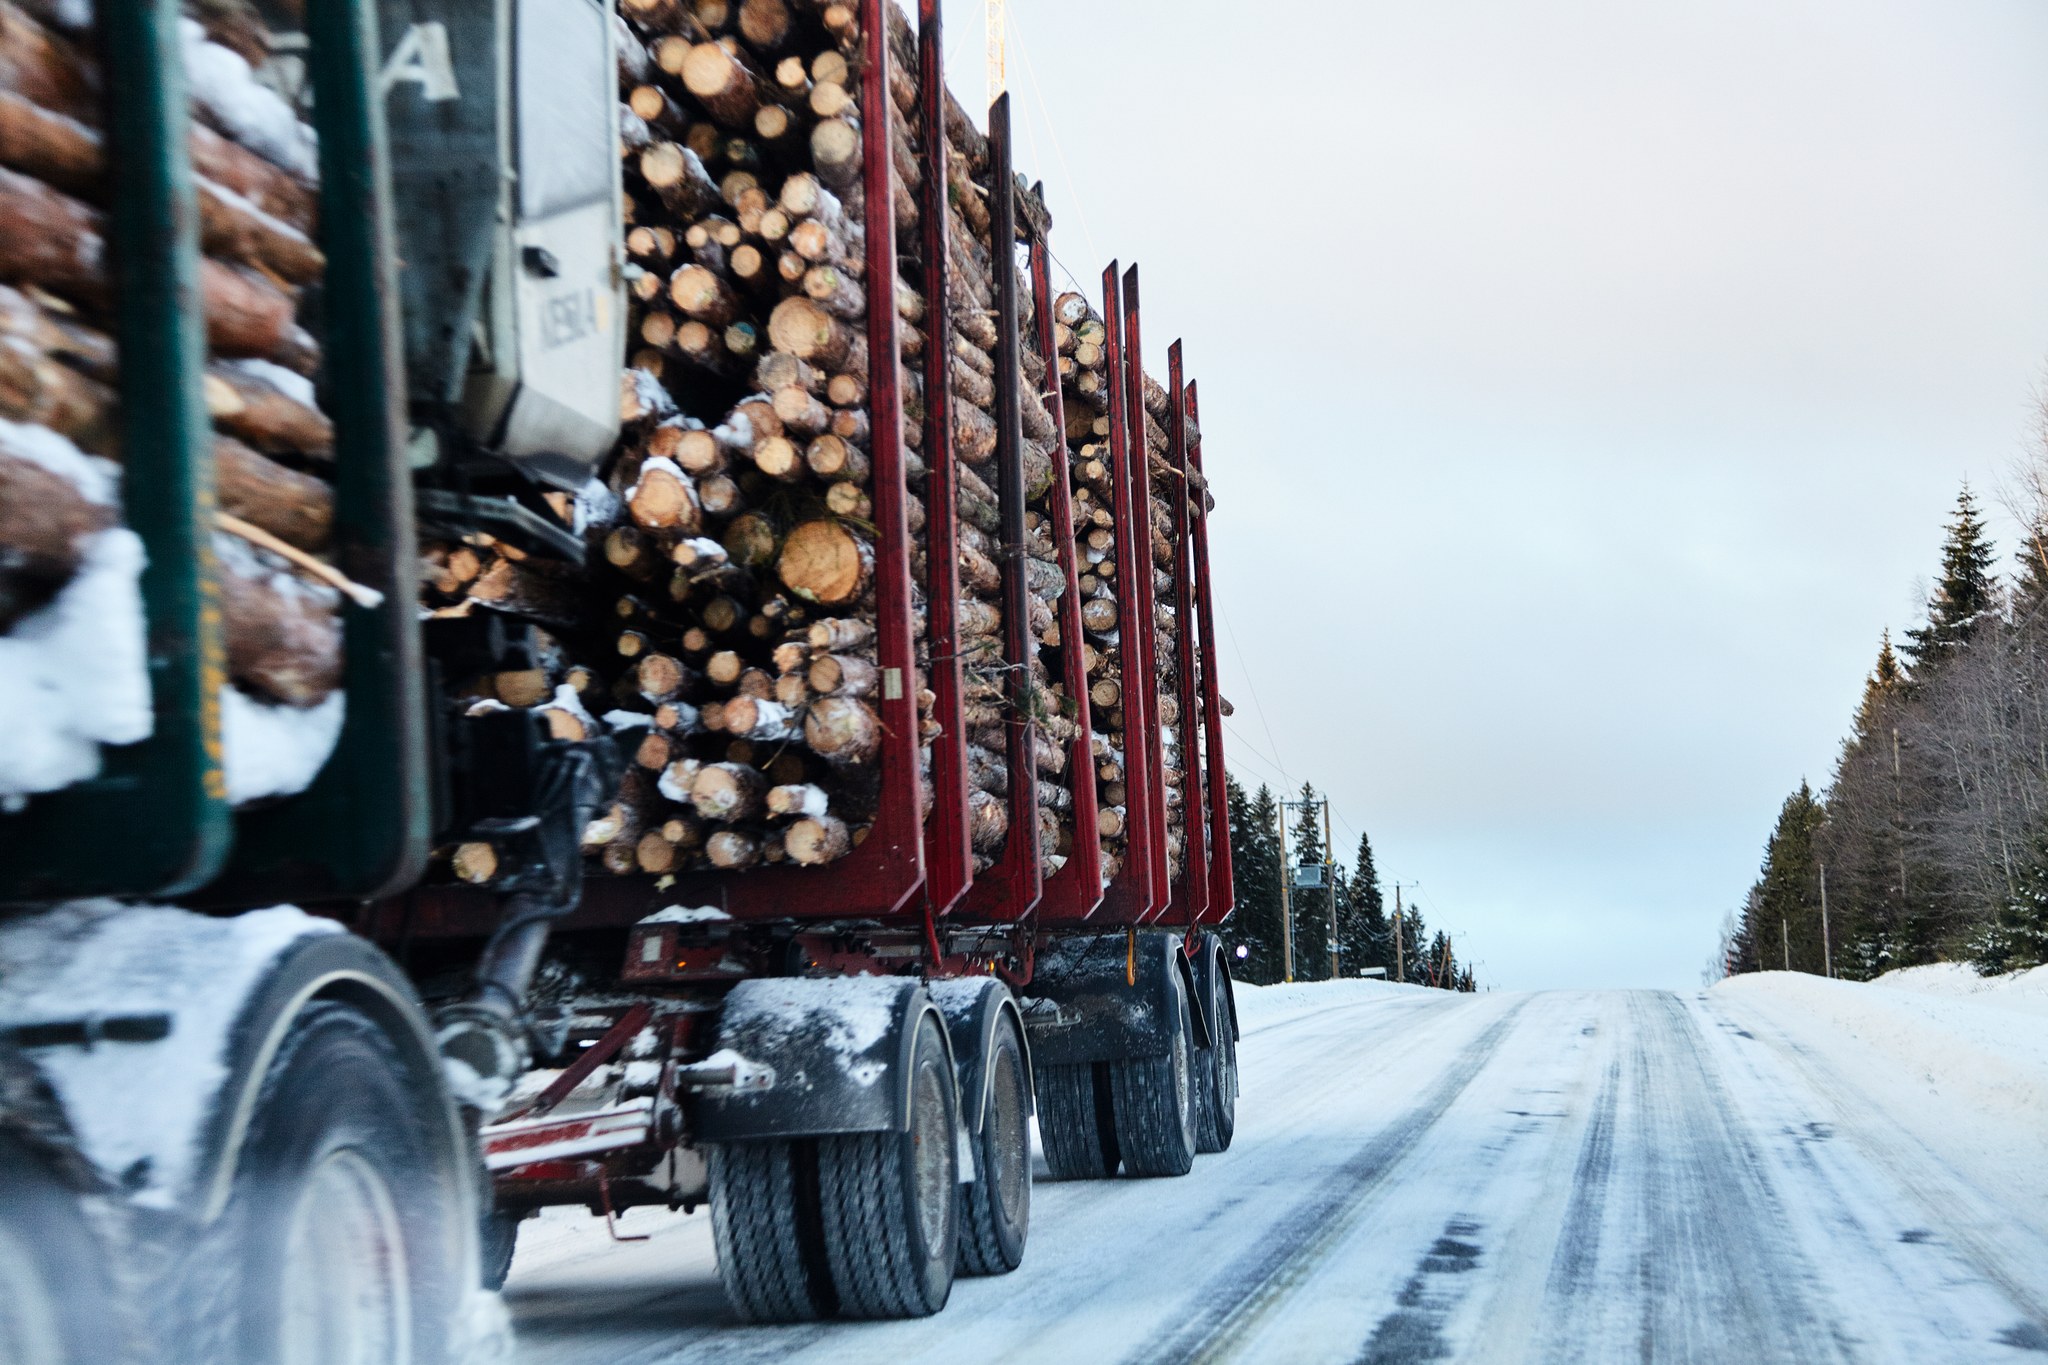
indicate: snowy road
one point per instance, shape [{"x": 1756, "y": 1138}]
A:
[{"x": 1767, "y": 1172}]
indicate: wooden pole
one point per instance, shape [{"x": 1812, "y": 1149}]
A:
[
  {"x": 1286, "y": 913},
  {"x": 1329, "y": 872}
]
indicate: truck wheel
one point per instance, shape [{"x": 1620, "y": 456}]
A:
[
  {"x": 1155, "y": 1108},
  {"x": 890, "y": 1201},
  {"x": 1216, "y": 1088},
  {"x": 1074, "y": 1121},
  {"x": 754, "y": 1227},
  {"x": 348, "y": 1250},
  {"x": 54, "y": 1296},
  {"x": 499, "y": 1239},
  {"x": 995, "y": 1210}
]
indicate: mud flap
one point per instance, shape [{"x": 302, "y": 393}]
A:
[{"x": 840, "y": 1049}]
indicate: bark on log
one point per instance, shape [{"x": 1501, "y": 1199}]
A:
[
  {"x": 678, "y": 175},
  {"x": 283, "y": 642},
  {"x": 53, "y": 241},
  {"x": 44, "y": 520}
]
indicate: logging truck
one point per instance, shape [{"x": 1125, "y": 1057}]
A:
[{"x": 580, "y": 624}]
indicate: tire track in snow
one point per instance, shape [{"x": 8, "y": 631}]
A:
[
  {"x": 1716, "y": 1276},
  {"x": 1236, "y": 1301}
]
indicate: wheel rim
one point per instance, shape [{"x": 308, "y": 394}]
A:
[
  {"x": 1012, "y": 1137},
  {"x": 934, "y": 1157},
  {"x": 344, "y": 1268},
  {"x": 29, "y": 1331}
]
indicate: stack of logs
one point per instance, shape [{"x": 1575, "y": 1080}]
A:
[
  {"x": 743, "y": 546},
  {"x": 272, "y": 448}
]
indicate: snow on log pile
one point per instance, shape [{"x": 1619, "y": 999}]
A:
[{"x": 59, "y": 450}]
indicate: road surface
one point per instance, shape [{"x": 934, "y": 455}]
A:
[{"x": 1418, "y": 1176}]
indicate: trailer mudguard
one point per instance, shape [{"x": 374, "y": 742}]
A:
[
  {"x": 1107, "y": 998},
  {"x": 974, "y": 1008},
  {"x": 1212, "y": 973},
  {"x": 839, "y": 1049},
  {"x": 154, "y": 1028}
]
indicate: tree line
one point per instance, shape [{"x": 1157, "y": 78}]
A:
[
  {"x": 1930, "y": 842},
  {"x": 1351, "y": 898}
]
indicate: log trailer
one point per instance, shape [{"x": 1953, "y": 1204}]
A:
[{"x": 790, "y": 879}]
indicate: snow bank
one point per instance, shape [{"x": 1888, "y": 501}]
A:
[
  {"x": 2024, "y": 991},
  {"x": 1259, "y": 1006},
  {"x": 1967, "y": 1079}
]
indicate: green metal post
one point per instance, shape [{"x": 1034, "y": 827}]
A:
[{"x": 155, "y": 822}]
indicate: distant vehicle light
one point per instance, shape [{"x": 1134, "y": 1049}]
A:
[{"x": 1243, "y": 952}]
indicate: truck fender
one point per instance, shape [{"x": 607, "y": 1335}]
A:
[
  {"x": 1228, "y": 992},
  {"x": 1201, "y": 1004},
  {"x": 176, "y": 1018},
  {"x": 974, "y": 1008},
  {"x": 1107, "y": 998},
  {"x": 839, "y": 1049}
]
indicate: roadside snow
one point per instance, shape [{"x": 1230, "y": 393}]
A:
[
  {"x": 2025, "y": 991},
  {"x": 1965, "y": 1078},
  {"x": 1262, "y": 1006}
]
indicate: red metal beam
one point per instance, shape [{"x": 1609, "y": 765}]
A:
[
  {"x": 948, "y": 860},
  {"x": 1073, "y": 892},
  {"x": 1129, "y": 898},
  {"x": 1222, "y": 893},
  {"x": 1138, "y": 455},
  {"x": 1191, "y": 891}
]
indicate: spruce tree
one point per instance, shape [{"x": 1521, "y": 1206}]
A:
[
  {"x": 1363, "y": 935},
  {"x": 2017, "y": 936},
  {"x": 1255, "y": 877},
  {"x": 1966, "y": 592},
  {"x": 1414, "y": 940},
  {"x": 1788, "y": 899},
  {"x": 1440, "y": 964}
]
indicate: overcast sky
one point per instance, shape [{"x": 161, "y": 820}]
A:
[{"x": 1585, "y": 384}]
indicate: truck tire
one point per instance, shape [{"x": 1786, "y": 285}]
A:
[
  {"x": 1154, "y": 1104},
  {"x": 995, "y": 1209},
  {"x": 498, "y": 1239},
  {"x": 1075, "y": 1126},
  {"x": 754, "y": 1212},
  {"x": 890, "y": 1202},
  {"x": 1216, "y": 1086},
  {"x": 55, "y": 1302},
  {"x": 343, "y": 1246}
]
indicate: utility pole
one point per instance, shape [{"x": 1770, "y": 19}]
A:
[
  {"x": 1400, "y": 965},
  {"x": 1785, "y": 934},
  {"x": 1330, "y": 857},
  {"x": 1286, "y": 909},
  {"x": 1827, "y": 948}
]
